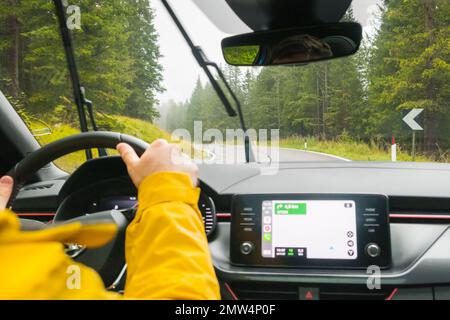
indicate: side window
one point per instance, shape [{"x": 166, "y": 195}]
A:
[{"x": 117, "y": 55}]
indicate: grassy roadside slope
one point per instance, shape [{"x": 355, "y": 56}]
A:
[
  {"x": 352, "y": 150},
  {"x": 135, "y": 127}
]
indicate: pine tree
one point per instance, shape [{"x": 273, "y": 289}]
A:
[
  {"x": 145, "y": 53},
  {"x": 116, "y": 51},
  {"x": 410, "y": 66}
]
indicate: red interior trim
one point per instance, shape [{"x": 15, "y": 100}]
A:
[
  {"x": 392, "y": 216},
  {"x": 392, "y": 294},
  {"x": 228, "y": 215},
  {"x": 231, "y": 291},
  {"x": 37, "y": 214},
  {"x": 419, "y": 216}
]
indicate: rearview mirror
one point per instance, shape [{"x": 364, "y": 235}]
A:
[{"x": 293, "y": 46}]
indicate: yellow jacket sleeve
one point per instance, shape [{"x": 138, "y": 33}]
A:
[
  {"x": 166, "y": 251},
  {"x": 34, "y": 265},
  {"x": 166, "y": 247}
]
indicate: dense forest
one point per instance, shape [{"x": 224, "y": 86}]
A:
[
  {"x": 116, "y": 52},
  {"x": 405, "y": 65}
]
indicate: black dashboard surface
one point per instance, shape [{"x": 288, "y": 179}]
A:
[
  {"x": 392, "y": 179},
  {"x": 396, "y": 180}
]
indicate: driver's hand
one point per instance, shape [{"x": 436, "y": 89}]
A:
[
  {"x": 160, "y": 156},
  {"x": 6, "y": 186}
]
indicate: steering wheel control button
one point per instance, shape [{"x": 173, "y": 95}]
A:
[
  {"x": 247, "y": 248},
  {"x": 373, "y": 250}
]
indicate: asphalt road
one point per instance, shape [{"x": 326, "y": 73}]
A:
[{"x": 235, "y": 154}]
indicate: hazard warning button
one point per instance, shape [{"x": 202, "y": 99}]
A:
[{"x": 308, "y": 293}]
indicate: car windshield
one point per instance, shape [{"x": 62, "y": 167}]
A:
[{"x": 388, "y": 102}]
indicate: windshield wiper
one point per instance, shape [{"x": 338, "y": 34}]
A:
[
  {"x": 79, "y": 91},
  {"x": 204, "y": 63}
]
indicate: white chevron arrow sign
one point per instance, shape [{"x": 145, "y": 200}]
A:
[{"x": 410, "y": 119}]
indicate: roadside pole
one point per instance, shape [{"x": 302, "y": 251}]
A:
[
  {"x": 393, "y": 150},
  {"x": 414, "y": 145}
]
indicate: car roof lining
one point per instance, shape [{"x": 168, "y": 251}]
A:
[{"x": 272, "y": 14}]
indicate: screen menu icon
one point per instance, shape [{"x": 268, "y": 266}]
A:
[
  {"x": 267, "y": 210},
  {"x": 290, "y": 252}
]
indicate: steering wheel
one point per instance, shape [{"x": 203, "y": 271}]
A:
[{"x": 108, "y": 261}]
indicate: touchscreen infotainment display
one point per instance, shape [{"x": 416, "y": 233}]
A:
[{"x": 311, "y": 229}]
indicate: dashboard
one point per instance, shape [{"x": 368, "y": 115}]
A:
[
  {"x": 418, "y": 213},
  {"x": 310, "y": 231}
]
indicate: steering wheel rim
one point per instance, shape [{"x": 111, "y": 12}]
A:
[
  {"x": 109, "y": 259},
  {"x": 26, "y": 168}
]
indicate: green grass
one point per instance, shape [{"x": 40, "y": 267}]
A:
[
  {"x": 139, "y": 128},
  {"x": 135, "y": 127},
  {"x": 352, "y": 150},
  {"x": 346, "y": 148}
]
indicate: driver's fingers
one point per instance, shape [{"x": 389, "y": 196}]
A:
[
  {"x": 159, "y": 143},
  {"x": 128, "y": 154},
  {"x": 6, "y": 186}
]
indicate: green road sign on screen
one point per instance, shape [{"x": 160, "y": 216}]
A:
[{"x": 290, "y": 208}]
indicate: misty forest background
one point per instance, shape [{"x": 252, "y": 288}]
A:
[
  {"x": 357, "y": 99},
  {"x": 351, "y": 105}
]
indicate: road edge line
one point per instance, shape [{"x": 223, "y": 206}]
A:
[{"x": 320, "y": 153}]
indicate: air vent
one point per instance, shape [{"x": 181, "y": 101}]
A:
[
  {"x": 354, "y": 293},
  {"x": 41, "y": 187},
  {"x": 419, "y": 217},
  {"x": 253, "y": 291},
  {"x": 419, "y": 210}
]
